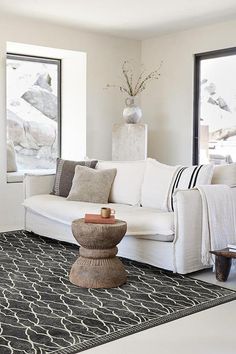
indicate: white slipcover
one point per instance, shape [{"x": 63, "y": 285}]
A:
[
  {"x": 126, "y": 188},
  {"x": 141, "y": 221}
]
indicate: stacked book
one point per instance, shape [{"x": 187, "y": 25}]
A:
[
  {"x": 98, "y": 219},
  {"x": 232, "y": 247}
]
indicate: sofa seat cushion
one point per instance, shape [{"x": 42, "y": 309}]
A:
[{"x": 143, "y": 222}]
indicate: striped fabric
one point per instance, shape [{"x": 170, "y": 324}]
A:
[
  {"x": 65, "y": 173},
  {"x": 190, "y": 177}
]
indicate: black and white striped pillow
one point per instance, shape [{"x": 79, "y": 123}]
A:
[{"x": 190, "y": 177}]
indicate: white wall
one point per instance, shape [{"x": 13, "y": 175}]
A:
[
  {"x": 168, "y": 103},
  {"x": 105, "y": 55}
]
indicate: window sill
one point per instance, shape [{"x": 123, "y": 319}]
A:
[{"x": 18, "y": 177}]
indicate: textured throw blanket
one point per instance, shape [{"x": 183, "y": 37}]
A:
[{"x": 218, "y": 219}]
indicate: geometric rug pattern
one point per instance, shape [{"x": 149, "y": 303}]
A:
[{"x": 42, "y": 312}]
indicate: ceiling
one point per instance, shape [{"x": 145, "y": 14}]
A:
[{"x": 137, "y": 19}]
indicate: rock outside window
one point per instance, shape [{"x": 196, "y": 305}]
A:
[{"x": 33, "y": 110}]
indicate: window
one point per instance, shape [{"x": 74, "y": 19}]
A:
[
  {"x": 34, "y": 110},
  {"x": 215, "y": 107}
]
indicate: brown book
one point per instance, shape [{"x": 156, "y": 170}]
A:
[{"x": 97, "y": 219}]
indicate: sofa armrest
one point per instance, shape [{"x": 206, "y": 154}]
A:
[
  {"x": 37, "y": 184},
  {"x": 188, "y": 231},
  {"x": 233, "y": 188}
]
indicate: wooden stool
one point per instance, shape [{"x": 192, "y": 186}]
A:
[
  {"x": 97, "y": 265},
  {"x": 223, "y": 263}
]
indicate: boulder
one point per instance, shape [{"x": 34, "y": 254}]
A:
[
  {"x": 44, "y": 81},
  {"x": 15, "y": 128},
  {"x": 45, "y": 152},
  {"x": 211, "y": 88},
  {"x": 223, "y": 105},
  {"x": 39, "y": 134},
  {"x": 43, "y": 100},
  {"x": 35, "y": 141},
  {"x": 28, "y": 152},
  {"x": 219, "y": 102}
]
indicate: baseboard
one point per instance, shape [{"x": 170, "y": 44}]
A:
[{"x": 4, "y": 228}]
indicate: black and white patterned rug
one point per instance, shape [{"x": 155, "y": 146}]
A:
[{"x": 42, "y": 312}]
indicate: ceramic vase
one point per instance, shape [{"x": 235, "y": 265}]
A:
[{"x": 132, "y": 113}]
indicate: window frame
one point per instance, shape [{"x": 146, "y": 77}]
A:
[
  {"x": 196, "y": 92},
  {"x": 48, "y": 60}
]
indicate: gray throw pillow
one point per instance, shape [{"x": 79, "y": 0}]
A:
[
  {"x": 65, "y": 173},
  {"x": 91, "y": 185}
]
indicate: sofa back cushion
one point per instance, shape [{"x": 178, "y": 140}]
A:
[
  {"x": 225, "y": 174},
  {"x": 190, "y": 177},
  {"x": 126, "y": 188},
  {"x": 161, "y": 181},
  {"x": 157, "y": 181}
]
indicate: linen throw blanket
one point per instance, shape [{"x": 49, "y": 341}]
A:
[{"x": 218, "y": 218}]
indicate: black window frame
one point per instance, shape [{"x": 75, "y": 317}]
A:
[
  {"x": 48, "y": 60},
  {"x": 196, "y": 87}
]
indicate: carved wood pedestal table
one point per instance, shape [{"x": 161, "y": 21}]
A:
[
  {"x": 97, "y": 265},
  {"x": 223, "y": 263}
]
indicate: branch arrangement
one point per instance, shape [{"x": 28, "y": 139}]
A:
[{"x": 131, "y": 88}]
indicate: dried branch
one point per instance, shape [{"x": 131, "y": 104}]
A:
[
  {"x": 152, "y": 76},
  {"x": 134, "y": 89},
  {"x": 127, "y": 79}
]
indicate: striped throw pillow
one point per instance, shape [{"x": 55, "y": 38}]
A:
[
  {"x": 65, "y": 172},
  {"x": 190, "y": 177}
]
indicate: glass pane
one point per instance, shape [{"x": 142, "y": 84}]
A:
[
  {"x": 217, "y": 110},
  {"x": 32, "y": 111}
]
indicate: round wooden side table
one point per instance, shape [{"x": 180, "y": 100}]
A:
[{"x": 97, "y": 265}]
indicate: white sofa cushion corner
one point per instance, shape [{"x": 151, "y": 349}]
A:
[
  {"x": 157, "y": 181},
  {"x": 224, "y": 174},
  {"x": 126, "y": 188},
  {"x": 188, "y": 178}
]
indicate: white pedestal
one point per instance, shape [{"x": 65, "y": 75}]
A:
[{"x": 129, "y": 142}]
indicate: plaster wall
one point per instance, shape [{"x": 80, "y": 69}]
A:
[
  {"x": 105, "y": 55},
  {"x": 168, "y": 104}
]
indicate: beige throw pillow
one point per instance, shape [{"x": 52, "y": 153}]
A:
[{"x": 91, "y": 185}]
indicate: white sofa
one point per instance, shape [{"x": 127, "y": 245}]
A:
[{"x": 166, "y": 239}]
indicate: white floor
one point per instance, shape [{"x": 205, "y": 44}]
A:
[{"x": 211, "y": 331}]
